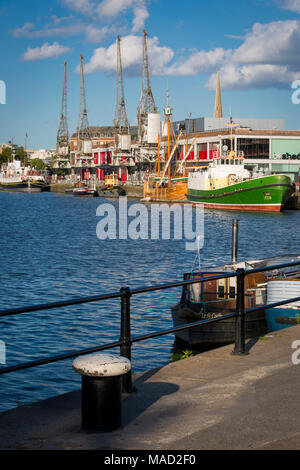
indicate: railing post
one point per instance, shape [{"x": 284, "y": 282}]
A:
[
  {"x": 125, "y": 338},
  {"x": 240, "y": 326}
]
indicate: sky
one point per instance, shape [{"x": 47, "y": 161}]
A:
[{"x": 254, "y": 44}]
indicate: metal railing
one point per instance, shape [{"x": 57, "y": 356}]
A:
[{"x": 126, "y": 340}]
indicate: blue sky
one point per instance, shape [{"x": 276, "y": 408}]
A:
[{"x": 253, "y": 43}]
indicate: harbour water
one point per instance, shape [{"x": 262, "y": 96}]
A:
[{"x": 50, "y": 251}]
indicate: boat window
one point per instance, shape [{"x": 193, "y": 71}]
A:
[
  {"x": 227, "y": 161},
  {"x": 222, "y": 162},
  {"x": 232, "y": 288},
  {"x": 236, "y": 162},
  {"x": 221, "y": 289},
  {"x": 231, "y": 162}
]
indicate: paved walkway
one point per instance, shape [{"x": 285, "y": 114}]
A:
[{"x": 211, "y": 401}]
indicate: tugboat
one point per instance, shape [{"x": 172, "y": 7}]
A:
[
  {"x": 224, "y": 183},
  {"x": 83, "y": 190},
  {"x": 112, "y": 187}
]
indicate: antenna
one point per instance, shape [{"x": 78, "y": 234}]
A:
[
  {"x": 121, "y": 123},
  {"x": 147, "y": 104},
  {"x": 83, "y": 129},
  {"x": 63, "y": 131}
]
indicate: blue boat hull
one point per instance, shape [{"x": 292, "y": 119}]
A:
[{"x": 280, "y": 318}]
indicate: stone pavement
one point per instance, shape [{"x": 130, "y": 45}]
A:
[{"x": 214, "y": 400}]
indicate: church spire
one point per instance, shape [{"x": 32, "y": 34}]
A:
[{"x": 218, "y": 101}]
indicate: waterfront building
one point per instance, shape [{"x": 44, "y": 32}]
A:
[
  {"x": 264, "y": 150},
  {"x": 265, "y": 144}
]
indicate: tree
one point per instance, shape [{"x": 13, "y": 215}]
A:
[
  {"x": 6, "y": 155},
  {"x": 38, "y": 164},
  {"x": 22, "y": 155}
]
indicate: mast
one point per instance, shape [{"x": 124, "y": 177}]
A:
[
  {"x": 83, "y": 129},
  {"x": 147, "y": 104},
  {"x": 121, "y": 123},
  {"x": 63, "y": 131},
  {"x": 231, "y": 125},
  {"x": 168, "y": 111},
  {"x": 25, "y": 149}
]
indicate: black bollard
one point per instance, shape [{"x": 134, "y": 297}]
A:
[{"x": 101, "y": 399}]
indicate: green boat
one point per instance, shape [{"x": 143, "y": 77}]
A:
[{"x": 224, "y": 183}]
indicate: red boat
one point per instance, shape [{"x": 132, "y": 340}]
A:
[{"x": 85, "y": 191}]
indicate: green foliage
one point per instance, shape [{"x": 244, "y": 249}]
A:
[
  {"x": 6, "y": 155},
  {"x": 38, "y": 164},
  {"x": 180, "y": 355},
  {"x": 22, "y": 155},
  {"x": 52, "y": 162}
]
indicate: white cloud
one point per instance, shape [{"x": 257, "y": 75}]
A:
[
  {"x": 292, "y": 5},
  {"x": 46, "y": 51},
  {"x": 86, "y": 7},
  {"x": 96, "y": 35},
  {"x": 57, "y": 29},
  {"x": 140, "y": 15},
  {"x": 200, "y": 62},
  {"x": 272, "y": 43},
  {"x": 65, "y": 27},
  {"x": 269, "y": 56},
  {"x": 24, "y": 30},
  {"x": 235, "y": 76},
  {"x": 104, "y": 60},
  {"x": 112, "y": 8}
]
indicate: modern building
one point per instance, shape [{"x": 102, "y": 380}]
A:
[
  {"x": 266, "y": 145},
  {"x": 264, "y": 150}
]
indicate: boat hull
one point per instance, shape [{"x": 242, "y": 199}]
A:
[
  {"x": 283, "y": 289},
  {"x": 175, "y": 192},
  {"x": 111, "y": 191},
  {"x": 85, "y": 193},
  {"x": 280, "y": 318},
  {"x": 217, "y": 333},
  {"x": 25, "y": 186},
  {"x": 268, "y": 193}
]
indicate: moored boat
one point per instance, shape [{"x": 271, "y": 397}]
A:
[
  {"x": 225, "y": 183},
  {"x": 215, "y": 298},
  {"x": 112, "y": 187},
  {"x": 85, "y": 191},
  {"x": 283, "y": 286},
  {"x": 23, "y": 184},
  {"x": 14, "y": 177}
]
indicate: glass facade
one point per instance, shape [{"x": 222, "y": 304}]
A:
[{"x": 254, "y": 148}]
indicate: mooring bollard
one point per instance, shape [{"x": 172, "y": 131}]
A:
[{"x": 101, "y": 400}]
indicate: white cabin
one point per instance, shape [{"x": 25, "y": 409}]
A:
[{"x": 219, "y": 173}]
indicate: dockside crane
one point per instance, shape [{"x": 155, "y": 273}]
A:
[
  {"x": 147, "y": 104},
  {"x": 83, "y": 130},
  {"x": 62, "y": 141},
  {"x": 121, "y": 123}
]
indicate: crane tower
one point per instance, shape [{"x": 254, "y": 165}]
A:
[
  {"x": 121, "y": 123},
  {"x": 83, "y": 129},
  {"x": 62, "y": 141},
  {"x": 147, "y": 104}
]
